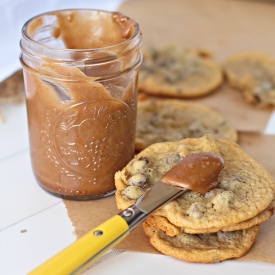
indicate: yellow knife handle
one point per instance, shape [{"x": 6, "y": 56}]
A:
[{"x": 84, "y": 251}]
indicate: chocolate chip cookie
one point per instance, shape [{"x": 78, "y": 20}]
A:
[
  {"x": 205, "y": 248},
  {"x": 176, "y": 72},
  {"x": 160, "y": 120},
  {"x": 222, "y": 223},
  {"x": 253, "y": 74},
  {"x": 160, "y": 223}
]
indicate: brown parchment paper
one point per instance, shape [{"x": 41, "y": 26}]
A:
[
  {"x": 89, "y": 214},
  {"x": 224, "y": 27}
]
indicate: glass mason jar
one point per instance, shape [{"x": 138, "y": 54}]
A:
[{"x": 80, "y": 72}]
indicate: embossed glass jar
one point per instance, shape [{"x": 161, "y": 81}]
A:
[{"x": 80, "y": 71}]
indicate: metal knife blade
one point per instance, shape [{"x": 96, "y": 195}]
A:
[
  {"x": 156, "y": 196},
  {"x": 159, "y": 194}
]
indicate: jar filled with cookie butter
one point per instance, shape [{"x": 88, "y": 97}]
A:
[{"x": 80, "y": 72}]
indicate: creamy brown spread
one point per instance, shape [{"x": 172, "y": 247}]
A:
[
  {"x": 79, "y": 32},
  {"x": 197, "y": 172},
  {"x": 81, "y": 131}
]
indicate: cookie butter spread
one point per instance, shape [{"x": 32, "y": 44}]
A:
[
  {"x": 78, "y": 32},
  {"x": 196, "y": 172},
  {"x": 81, "y": 101}
]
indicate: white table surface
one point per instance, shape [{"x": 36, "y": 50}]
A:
[{"x": 33, "y": 224}]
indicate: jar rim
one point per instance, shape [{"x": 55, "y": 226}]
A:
[{"x": 136, "y": 35}]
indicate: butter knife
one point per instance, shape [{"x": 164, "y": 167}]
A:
[{"x": 83, "y": 252}]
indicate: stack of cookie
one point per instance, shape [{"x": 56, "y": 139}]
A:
[{"x": 218, "y": 225}]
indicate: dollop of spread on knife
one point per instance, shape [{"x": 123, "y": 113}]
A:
[{"x": 196, "y": 172}]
